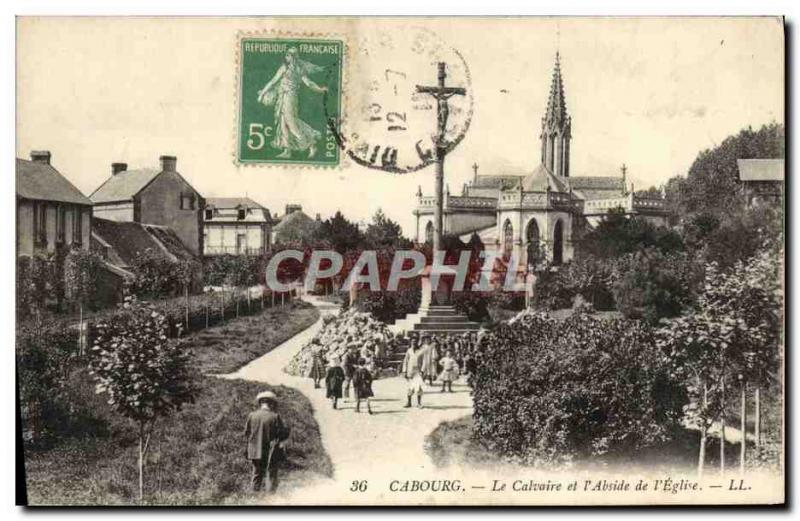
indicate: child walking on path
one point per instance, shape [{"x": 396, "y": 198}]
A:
[
  {"x": 449, "y": 371},
  {"x": 334, "y": 379},
  {"x": 362, "y": 385}
]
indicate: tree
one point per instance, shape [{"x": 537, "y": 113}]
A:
[
  {"x": 712, "y": 183},
  {"x": 342, "y": 234},
  {"x": 81, "y": 272},
  {"x": 652, "y": 285},
  {"x": 186, "y": 272},
  {"x": 732, "y": 335},
  {"x": 618, "y": 234},
  {"x": 384, "y": 232},
  {"x": 144, "y": 375}
]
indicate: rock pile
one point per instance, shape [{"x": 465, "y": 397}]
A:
[{"x": 338, "y": 332}]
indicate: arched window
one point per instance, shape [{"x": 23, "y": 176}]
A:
[
  {"x": 532, "y": 239},
  {"x": 558, "y": 243},
  {"x": 429, "y": 233},
  {"x": 508, "y": 237}
]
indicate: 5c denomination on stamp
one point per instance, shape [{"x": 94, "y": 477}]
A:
[{"x": 290, "y": 100}]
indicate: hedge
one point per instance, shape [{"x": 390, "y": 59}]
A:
[{"x": 549, "y": 392}]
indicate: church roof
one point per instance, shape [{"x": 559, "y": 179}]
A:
[
  {"x": 495, "y": 181},
  {"x": 596, "y": 182},
  {"x": 556, "y": 113},
  {"x": 541, "y": 179}
]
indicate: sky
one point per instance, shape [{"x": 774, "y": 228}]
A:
[{"x": 650, "y": 93}]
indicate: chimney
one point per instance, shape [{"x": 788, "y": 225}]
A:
[
  {"x": 40, "y": 156},
  {"x": 118, "y": 167},
  {"x": 168, "y": 163},
  {"x": 319, "y": 217}
]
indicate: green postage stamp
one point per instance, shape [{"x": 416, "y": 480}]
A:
[{"x": 289, "y": 97}]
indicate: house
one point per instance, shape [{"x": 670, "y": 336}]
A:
[
  {"x": 160, "y": 197},
  {"x": 536, "y": 214},
  {"x": 294, "y": 226},
  {"x": 235, "y": 225},
  {"x": 120, "y": 244},
  {"x": 51, "y": 212},
  {"x": 762, "y": 180}
]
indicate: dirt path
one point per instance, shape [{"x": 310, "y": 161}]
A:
[{"x": 359, "y": 444}]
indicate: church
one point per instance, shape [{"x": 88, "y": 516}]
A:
[{"x": 536, "y": 216}]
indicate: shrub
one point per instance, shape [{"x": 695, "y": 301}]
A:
[
  {"x": 45, "y": 354},
  {"x": 547, "y": 392}
]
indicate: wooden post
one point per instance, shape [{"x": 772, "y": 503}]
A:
[
  {"x": 722, "y": 428},
  {"x": 701, "y": 460},
  {"x": 758, "y": 418},
  {"x": 743, "y": 427},
  {"x": 186, "y": 300}
]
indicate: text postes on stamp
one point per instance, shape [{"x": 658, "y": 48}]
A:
[
  {"x": 289, "y": 100},
  {"x": 390, "y": 125}
]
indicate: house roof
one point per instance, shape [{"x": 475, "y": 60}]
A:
[
  {"x": 296, "y": 218},
  {"x": 43, "y": 182},
  {"x": 124, "y": 185},
  {"x": 125, "y": 241},
  {"x": 761, "y": 169},
  {"x": 541, "y": 179},
  {"x": 232, "y": 202}
]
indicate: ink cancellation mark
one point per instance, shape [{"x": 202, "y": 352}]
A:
[
  {"x": 391, "y": 125},
  {"x": 290, "y": 100}
]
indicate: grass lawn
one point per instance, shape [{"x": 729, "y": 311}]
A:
[
  {"x": 196, "y": 456},
  {"x": 452, "y": 443},
  {"x": 225, "y": 348}
]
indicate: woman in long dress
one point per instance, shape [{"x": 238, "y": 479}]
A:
[{"x": 291, "y": 132}]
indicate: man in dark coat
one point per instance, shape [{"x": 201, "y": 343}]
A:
[{"x": 264, "y": 432}]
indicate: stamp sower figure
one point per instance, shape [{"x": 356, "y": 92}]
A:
[
  {"x": 264, "y": 432},
  {"x": 412, "y": 369},
  {"x": 362, "y": 385},
  {"x": 291, "y": 132},
  {"x": 333, "y": 381},
  {"x": 449, "y": 371}
]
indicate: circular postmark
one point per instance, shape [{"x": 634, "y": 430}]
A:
[{"x": 408, "y": 93}]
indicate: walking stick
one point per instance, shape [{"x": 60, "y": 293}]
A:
[{"x": 272, "y": 445}]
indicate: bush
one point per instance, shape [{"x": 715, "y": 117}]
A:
[
  {"x": 548, "y": 392},
  {"x": 651, "y": 285},
  {"x": 45, "y": 353}
]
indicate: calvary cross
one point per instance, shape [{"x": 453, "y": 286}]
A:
[{"x": 442, "y": 94}]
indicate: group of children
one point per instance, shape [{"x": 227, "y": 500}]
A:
[
  {"x": 423, "y": 362},
  {"x": 355, "y": 369}
]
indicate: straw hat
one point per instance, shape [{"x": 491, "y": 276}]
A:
[{"x": 266, "y": 395}]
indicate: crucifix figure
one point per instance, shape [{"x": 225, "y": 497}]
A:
[{"x": 441, "y": 94}]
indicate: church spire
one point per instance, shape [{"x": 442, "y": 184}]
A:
[
  {"x": 556, "y": 126},
  {"x": 556, "y": 113}
]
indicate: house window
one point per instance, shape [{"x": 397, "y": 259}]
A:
[
  {"x": 209, "y": 214},
  {"x": 241, "y": 214},
  {"x": 77, "y": 225},
  {"x": 187, "y": 201},
  {"x": 61, "y": 223},
  {"x": 40, "y": 224},
  {"x": 241, "y": 243}
]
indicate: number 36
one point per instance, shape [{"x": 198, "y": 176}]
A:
[{"x": 358, "y": 486}]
